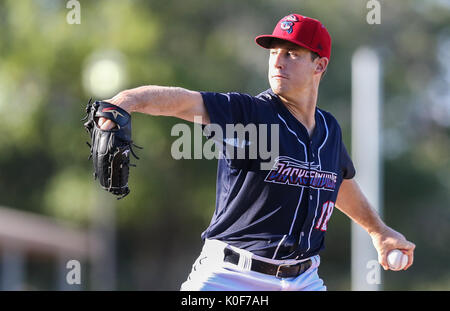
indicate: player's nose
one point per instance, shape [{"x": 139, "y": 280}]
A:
[{"x": 278, "y": 60}]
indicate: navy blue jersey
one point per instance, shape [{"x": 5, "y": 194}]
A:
[{"x": 281, "y": 213}]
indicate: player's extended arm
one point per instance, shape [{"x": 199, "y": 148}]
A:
[
  {"x": 160, "y": 101},
  {"x": 352, "y": 202}
]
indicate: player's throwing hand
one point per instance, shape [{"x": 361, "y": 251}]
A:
[{"x": 389, "y": 239}]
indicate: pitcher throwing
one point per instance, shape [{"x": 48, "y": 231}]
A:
[{"x": 269, "y": 226}]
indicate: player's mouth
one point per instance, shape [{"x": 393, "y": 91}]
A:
[{"x": 279, "y": 77}]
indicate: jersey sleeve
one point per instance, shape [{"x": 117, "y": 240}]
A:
[
  {"x": 230, "y": 108},
  {"x": 347, "y": 166}
]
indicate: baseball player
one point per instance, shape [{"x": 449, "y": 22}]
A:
[{"x": 268, "y": 227}]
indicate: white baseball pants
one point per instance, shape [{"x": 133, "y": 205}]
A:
[{"x": 211, "y": 273}]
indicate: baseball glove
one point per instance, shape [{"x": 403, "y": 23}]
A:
[{"x": 110, "y": 150}]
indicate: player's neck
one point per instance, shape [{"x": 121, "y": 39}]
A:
[{"x": 303, "y": 108}]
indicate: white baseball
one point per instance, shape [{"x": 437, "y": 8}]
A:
[{"x": 397, "y": 260}]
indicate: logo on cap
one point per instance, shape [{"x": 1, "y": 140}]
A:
[
  {"x": 291, "y": 18},
  {"x": 287, "y": 23},
  {"x": 287, "y": 26}
]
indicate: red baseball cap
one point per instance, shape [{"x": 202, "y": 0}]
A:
[{"x": 307, "y": 32}]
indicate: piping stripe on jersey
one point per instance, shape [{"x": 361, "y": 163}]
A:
[
  {"x": 279, "y": 244},
  {"x": 326, "y": 137},
  {"x": 318, "y": 190},
  {"x": 298, "y": 139}
]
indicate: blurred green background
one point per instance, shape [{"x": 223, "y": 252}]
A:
[{"x": 46, "y": 80}]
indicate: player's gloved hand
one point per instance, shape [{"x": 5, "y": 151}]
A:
[
  {"x": 124, "y": 100},
  {"x": 106, "y": 124},
  {"x": 388, "y": 239},
  {"x": 110, "y": 149}
]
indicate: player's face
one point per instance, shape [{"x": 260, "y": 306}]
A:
[{"x": 291, "y": 69}]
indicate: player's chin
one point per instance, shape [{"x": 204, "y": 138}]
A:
[{"x": 278, "y": 87}]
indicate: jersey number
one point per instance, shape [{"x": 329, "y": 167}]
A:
[{"x": 327, "y": 210}]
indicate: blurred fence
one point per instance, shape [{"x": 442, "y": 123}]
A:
[{"x": 25, "y": 236}]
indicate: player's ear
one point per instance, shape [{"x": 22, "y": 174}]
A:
[{"x": 321, "y": 64}]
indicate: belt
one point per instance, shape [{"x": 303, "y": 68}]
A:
[{"x": 280, "y": 271}]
